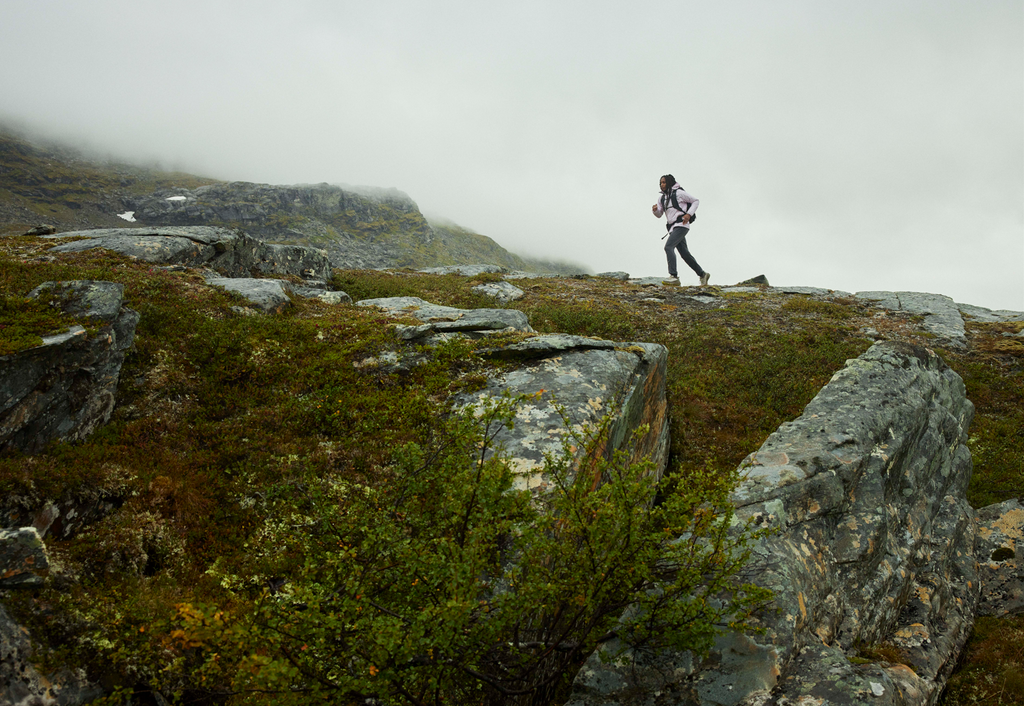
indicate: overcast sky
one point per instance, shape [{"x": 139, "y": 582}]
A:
[{"x": 853, "y": 146}]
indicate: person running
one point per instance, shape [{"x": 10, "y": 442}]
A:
[{"x": 679, "y": 209}]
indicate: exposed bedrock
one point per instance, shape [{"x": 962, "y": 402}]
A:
[
  {"x": 874, "y": 546},
  {"x": 586, "y": 378},
  {"x": 64, "y": 389},
  {"x": 228, "y": 250}
]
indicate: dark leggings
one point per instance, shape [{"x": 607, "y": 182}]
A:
[{"x": 677, "y": 241}]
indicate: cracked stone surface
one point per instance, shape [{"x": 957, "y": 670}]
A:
[
  {"x": 231, "y": 251},
  {"x": 941, "y": 314},
  {"x": 875, "y": 542}
]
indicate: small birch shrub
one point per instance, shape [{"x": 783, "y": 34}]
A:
[{"x": 445, "y": 584}]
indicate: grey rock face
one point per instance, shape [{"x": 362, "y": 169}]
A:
[
  {"x": 22, "y": 685},
  {"x": 589, "y": 379},
  {"x": 447, "y": 319},
  {"x": 875, "y": 544},
  {"x": 1000, "y": 548},
  {"x": 64, "y": 389},
  {"x": 268, "y": 295},
  {"x": 941, "y": 314},
  {"x": 223, "y": 249},
  {"x": 344, "y": 221},
  {"x": 23, "y": 560},
  {"x": 980, "y": 313}
]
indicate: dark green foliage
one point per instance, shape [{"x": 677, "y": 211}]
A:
[{"x": 446, "y": 585}]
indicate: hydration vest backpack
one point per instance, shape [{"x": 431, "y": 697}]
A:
[{"x": 675, "y": 205}]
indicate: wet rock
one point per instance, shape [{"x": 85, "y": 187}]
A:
[
  {"x": 613, "y": 275},
  {"x": 63, "y": 390},
  {"x": 874, "y": 543}
]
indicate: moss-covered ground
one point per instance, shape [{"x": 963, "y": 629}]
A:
[{"x": 215, "y": 408}]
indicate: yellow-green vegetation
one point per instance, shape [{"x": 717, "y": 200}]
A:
[
  {"x": 24, "y": 322},
  {"x": 300, "y": 524}
]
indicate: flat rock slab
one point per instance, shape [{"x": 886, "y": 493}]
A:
[
  {"x": 503, "y": 292},
  {"x": 941, "y": 314},
  {"x": 465, "y": 270},
  {"x": 450, "y": 319},
  {"x": 268, "y": 295},
  {"x": 1000, "y": 552},
  {"x": 980, "y": 313}
]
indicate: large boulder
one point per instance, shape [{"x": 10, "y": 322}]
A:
[
  {"x": 584, "y": 379},
  {"x": 230, "y": 251},
  {"x": 571, "y": 384},
  {"x": 873, "y": 546},
  {"x": 64, "y": 389}
]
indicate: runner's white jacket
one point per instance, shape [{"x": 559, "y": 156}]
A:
[{"x": 664, "y": 206}]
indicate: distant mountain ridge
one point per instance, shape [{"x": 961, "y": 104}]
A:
[{"x": 359, "y": 227}]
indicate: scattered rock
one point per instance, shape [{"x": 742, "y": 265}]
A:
[
  {"x": 41, "y": 230},
  {"x": 450, "y": 319},
  {"x": 464, "y": 270},
  {"x": 613, "y": 275},
  {"x": 228, "y": 251},
  {"x": 758, "y": 281}
]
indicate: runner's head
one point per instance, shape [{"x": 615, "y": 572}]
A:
[{"x": 667, "y": 182}]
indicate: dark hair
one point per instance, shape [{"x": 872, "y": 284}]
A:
[{"x": 670, "y": 180}]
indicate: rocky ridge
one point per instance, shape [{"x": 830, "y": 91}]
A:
[{"x": 797, "y": 481}]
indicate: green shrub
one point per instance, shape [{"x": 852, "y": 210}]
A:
[{"x": 447, "y": 585}]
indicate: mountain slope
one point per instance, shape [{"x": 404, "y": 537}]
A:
[{"x": 359, "y": 227}]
